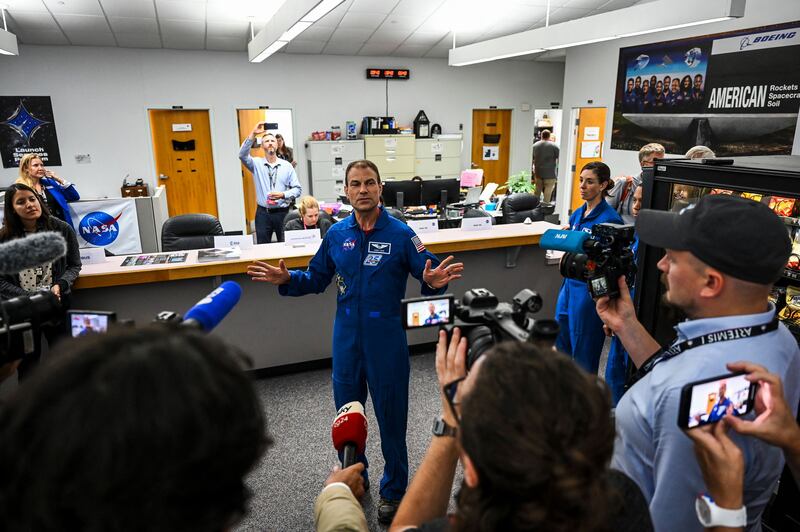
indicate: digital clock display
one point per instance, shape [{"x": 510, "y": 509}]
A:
[{"x": 388, "y": 73}]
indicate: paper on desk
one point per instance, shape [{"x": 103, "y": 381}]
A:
[
  {"x": 488, "y": 190},
  {"x": 472, "y": 178}
]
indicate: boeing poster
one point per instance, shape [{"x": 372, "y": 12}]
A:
[
  {"x": 737, "y": 93},
  {"x": 27, "y": 126}
]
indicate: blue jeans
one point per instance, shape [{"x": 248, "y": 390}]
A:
[{"x": 269, "y": 221}]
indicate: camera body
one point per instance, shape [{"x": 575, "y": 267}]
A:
[
  {"x": 20, "y": 320},
  {"x": 606, "y": 256}
]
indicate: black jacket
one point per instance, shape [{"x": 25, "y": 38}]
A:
[
  {"x": 65, "y": 269},
  {"x": 323, "y": 224}
]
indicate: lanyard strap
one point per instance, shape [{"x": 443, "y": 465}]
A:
[{"x": 665, "y": 353}]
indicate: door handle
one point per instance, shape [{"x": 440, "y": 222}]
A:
[
  {"x": 473, "y": 164},
  {"x": 163, "y": 176}
]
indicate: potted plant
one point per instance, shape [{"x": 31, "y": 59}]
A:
[{"x": 518, "y": 183}]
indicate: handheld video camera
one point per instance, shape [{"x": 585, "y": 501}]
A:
[
  {"x": 20, "y": 320},
  {"x": 598, "y": 259},
  {"x": 483, "y": 319}
]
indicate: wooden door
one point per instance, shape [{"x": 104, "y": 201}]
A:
[
  {"x": 591, "y": 117},
  {"x": 491, "y": 138},
  {"x": 247, "y": 120},
  {"x": 184, "y": 163}
]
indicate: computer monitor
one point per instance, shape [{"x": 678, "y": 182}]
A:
[
  {"x": 432, "y": 190},
  {"x": 410, "y": 190}
]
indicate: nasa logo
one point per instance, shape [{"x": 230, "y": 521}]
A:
[
  {"x": 99, "y": 228},
  {"x": 349, "y": 244}
]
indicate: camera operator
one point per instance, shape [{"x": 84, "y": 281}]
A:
[
  {"x": 581, "y": 331},
  {"x": 527, "y": 465},
  {"x": 721, "y": 460},
  {"x": 720, "y": 278}
]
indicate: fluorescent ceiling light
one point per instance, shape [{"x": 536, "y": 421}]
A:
[
  {"x": 322, "y": 9},
  {"x": 498, "y": 57},
  {"x": 635, "y": 20},
  {"x": 271, "y": 49},
  {"x": 294, "y": 31},
  {"x": 8, "y": 43}
]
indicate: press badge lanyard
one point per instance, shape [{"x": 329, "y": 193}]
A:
[{"x": 666, "y": 353}]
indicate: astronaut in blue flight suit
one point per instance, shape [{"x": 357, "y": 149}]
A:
[
  {"x": 370, "y": 255},
  {"x": 581, "y": 330}
]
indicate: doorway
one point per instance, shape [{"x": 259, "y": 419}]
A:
[
  {"x": 491, "y": 142},
  {"x": 184, "y": 162},
  {"x": 280, "y": 121},
  {"x": 588, "y": 131}
]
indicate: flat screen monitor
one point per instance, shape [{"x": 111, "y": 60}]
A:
[
  {"x": 410, "y": 190},
  {"x": 432, "y": 190}
]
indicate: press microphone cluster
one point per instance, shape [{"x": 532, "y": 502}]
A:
[
  {"x": 349, "y": 432},
  {"x": 567, "y": 241},
  {"x": 32, "y": 251},
  {"x": 209, "y": 311}
]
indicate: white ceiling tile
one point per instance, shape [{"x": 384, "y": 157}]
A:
[
  {"x": 388, "y": 37},
  {"x": 400, "y": 22},
  {"x": 25, "y": 5},
  {"x": 74, "y": 7},
  {"x": 586, "y": 4},
  {"x": 350, "y": 36},
  {"x": 425, "y": 38},
  {"x": 367, "y": 21},
  {"x": 34, "y": 21},
  {"x": 564, "y": 14},
  {"x": 421, "y": 8},
  {"x": 228, "y": 29},
  {"x": 133, "y": 25},
  {"x": 226, "y": 44},
  {"x": 332, "y": 19},
  {"x": 128, "y": 8},
  {"x": 180, "y": 10},
  {"x": 342, "y": 48},
  {"x": 438, "y": 52},
  {"x": 318, "y": 33},
  {"x": 76, "y": 23},
  {"x": 377, "y": 49},
  {"x": 138, "y": 40},
  {"x": 613, "y": 5},
  {"x": 178, "y": 28},
  {"x": 184, "y": 42},
  {"x": 44, "y": 37},
  {"x": 91, "y": 38},
  {"x": 305, "y": 47},
  {"x": 373, "y": 6},
  {"x": 411, "y": 50}
]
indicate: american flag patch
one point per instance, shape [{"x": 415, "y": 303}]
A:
[{"x": 418, "y": 244}]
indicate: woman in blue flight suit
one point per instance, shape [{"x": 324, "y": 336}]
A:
[
  {"x": 581, "y": 330},
  {"x": 370, "y": 264}
]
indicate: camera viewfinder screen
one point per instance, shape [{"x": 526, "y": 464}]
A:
[
  {"x": 427, "y": 313},
  {"x": 83, "y": 324},
  {"x": 710, "y": 401}
]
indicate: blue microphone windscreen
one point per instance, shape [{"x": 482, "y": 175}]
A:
[
  {"x": 210, "y": 310},
  {"x": 562, "y": 240}
]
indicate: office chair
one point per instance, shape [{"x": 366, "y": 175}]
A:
[{"x": 189, "y": 231}]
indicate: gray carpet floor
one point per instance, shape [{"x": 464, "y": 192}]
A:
[{"x": 299, "y": 411}]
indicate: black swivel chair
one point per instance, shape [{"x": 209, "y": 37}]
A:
[
  {"x": 190, "y": 231},
  {"x": 478, "y": 213},
  {"x": 396, "y": 213},
  {"x": 517, "y": 207}
]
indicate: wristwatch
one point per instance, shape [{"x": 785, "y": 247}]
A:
[
  {"x": 711, "y": 515},
  {"x": 440, "y": 428}
]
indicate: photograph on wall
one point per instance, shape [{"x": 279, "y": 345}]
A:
[
  {"x": 737, "y": 93},
  {"x": 27, "y": 125}
]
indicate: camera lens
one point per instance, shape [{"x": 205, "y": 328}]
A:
[
  {"x": 573, "y": 265},
  {"x": 479, "y": 339}
]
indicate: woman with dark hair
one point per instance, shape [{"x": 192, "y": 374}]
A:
[
  {"x": 581, "y": 331},
  {"x": 25, "y": 214},
  {"x": 54, "y": 191},
  {"x": 284, "y": 152},
  {"x": 686, "y": 93}
]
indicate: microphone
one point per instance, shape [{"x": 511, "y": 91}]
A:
[
  {"x": 562, "y": 240},
  {"x": 209, "y": 311},
  {"x": 32, "y": 251},
  {"x": 349, "y": 432}
]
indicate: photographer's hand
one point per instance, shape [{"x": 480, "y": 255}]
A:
[
  {"x": 721, "y": 462},
  {"x": 619, "y": 315},
  {"x": 451, "y": 364}
]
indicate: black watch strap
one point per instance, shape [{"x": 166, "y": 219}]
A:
[{"x": 440, "y": 428}]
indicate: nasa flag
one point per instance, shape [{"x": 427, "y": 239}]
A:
[{"x": 110, "y": 224}]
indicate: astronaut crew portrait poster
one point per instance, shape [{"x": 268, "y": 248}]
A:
[
  {"x": 737, "y": 92},
  {"x": 27, "y": 126}
]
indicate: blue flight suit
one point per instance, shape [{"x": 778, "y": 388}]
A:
[
  {"x": 617, "y": 365},
  {"x": 369, "y": 342},
  {"x": 581, "y": 330}
]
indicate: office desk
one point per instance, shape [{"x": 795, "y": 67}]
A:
[{"x": 277, "y": 330}]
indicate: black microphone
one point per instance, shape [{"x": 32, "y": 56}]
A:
[{"x": 32, "y": 251}]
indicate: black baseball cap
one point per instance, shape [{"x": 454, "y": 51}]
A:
[{"x": 737, "y": 236}]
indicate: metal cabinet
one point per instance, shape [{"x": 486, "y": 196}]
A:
[{"x": 327, "y": 161}]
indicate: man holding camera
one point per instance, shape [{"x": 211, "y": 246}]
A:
[{"x": 720, "y": 278}]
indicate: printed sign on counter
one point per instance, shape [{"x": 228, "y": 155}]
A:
[
  {"x": 93, "y": 255},
  {"x": 302, "y": 237},
  {"x": 337, "y": 149},
  {"x": 234, "y": 241},
  {"x": 430, "y": 225},
  {"x": 476, "y": 224}
]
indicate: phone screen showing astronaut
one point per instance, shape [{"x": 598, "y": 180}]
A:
[
  {"x": 709, "y": 400},
  {"x": 427, "y": 311}
]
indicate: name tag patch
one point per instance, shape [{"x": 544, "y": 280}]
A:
[
  {"x": 384, "y": 248},
  {"x": 372, "y": 259}
]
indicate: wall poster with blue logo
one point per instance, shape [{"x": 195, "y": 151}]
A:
[
  {"x": 110, "y": 224},
  {"x": 27, "y": 125},
  {"x": 737, "y": 92}
]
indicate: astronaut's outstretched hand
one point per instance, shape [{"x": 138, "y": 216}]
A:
[
  {"x": 443, "y": 273},
  {"x": 261, "y": 271}
]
